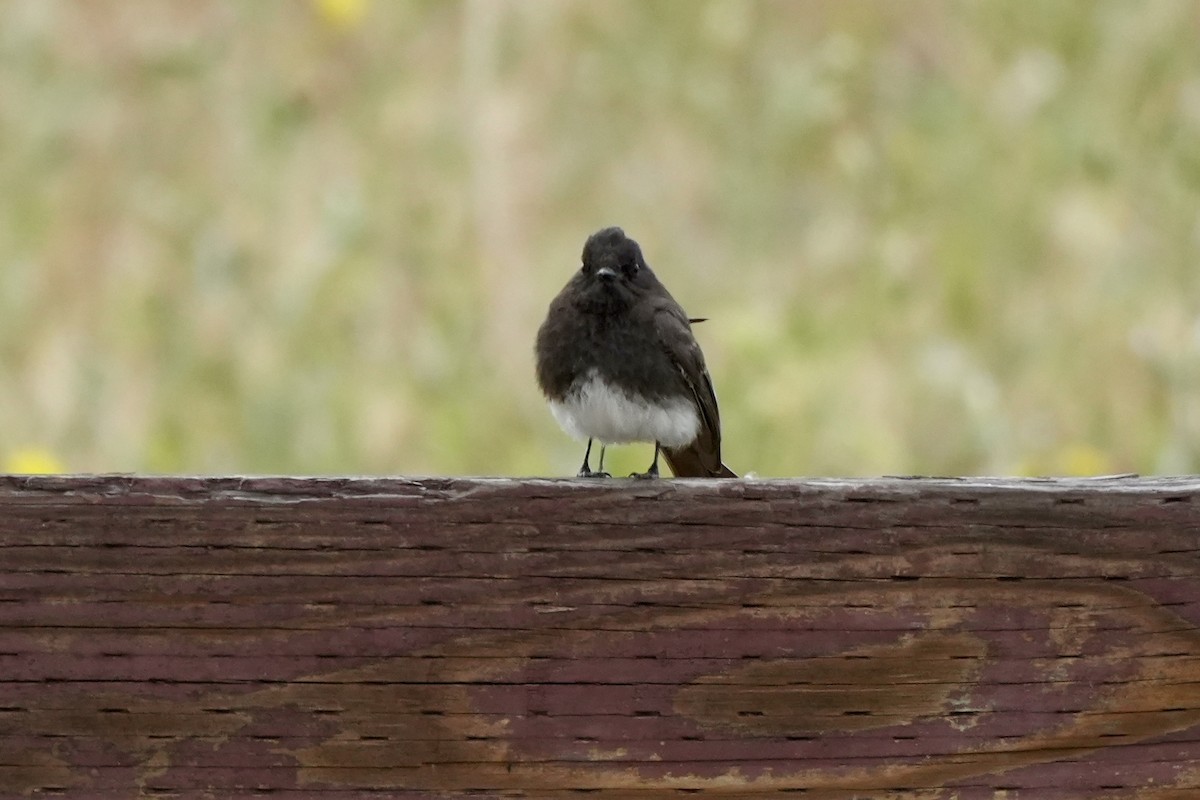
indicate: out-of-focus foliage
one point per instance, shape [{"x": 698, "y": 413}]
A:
[{"x": 272, "y": 236}]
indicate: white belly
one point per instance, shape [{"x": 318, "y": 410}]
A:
[{"x": 595, "y": 410}]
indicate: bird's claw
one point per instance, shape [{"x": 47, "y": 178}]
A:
[{"x": 587, "y": 473}]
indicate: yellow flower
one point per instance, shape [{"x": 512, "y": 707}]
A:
[
  {"x": 32, "y": 461},
  {"x": 341, "y": 14}
]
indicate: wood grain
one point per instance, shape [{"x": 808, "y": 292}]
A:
[{"x": 935, "y": 639}]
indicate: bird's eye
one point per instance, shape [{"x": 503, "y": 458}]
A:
[{"x": 631, "y": 268}]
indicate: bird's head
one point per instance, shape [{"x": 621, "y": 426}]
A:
[{"x": 613, "y": 269}]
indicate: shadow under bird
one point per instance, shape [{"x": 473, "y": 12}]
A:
[{"x": 618, "y": 363}]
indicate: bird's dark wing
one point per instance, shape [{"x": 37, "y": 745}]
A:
[{"x": 701, "y": 458}]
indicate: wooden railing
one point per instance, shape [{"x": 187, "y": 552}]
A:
[{"x": 436, "y": 638}]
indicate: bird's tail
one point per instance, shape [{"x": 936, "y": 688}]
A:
[{"x": 693, "y": 462}]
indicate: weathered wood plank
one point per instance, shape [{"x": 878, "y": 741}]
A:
[{"x": 935, "y": 638}]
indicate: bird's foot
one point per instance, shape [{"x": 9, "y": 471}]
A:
[
  {"x": 651, "y": 473},
  {"x": 587, "y": 473},
  {"x": 586, "y": 470}
]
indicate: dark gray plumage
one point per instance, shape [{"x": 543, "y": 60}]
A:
[{"x": 617, "y": 361}]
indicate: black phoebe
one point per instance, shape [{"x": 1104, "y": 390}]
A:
[{"x": 617, "y": 361}]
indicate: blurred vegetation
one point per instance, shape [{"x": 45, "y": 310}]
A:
[{"x": 318, "y": 237}]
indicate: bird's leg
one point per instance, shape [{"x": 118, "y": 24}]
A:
[
  {"x": 653, "y": 471},
  {"x": 600, "y": 468},
  {"x": 586, "y": 470}
]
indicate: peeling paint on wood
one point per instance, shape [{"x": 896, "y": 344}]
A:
[{"x": 938, "y": 639}]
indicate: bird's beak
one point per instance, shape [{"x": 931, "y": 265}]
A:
[{"x": 606, "y": 273}]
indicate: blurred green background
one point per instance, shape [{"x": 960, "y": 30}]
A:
[{"x": 318, "y": 237}]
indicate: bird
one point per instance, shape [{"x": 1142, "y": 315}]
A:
[{"x": 617, "y": 363}]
